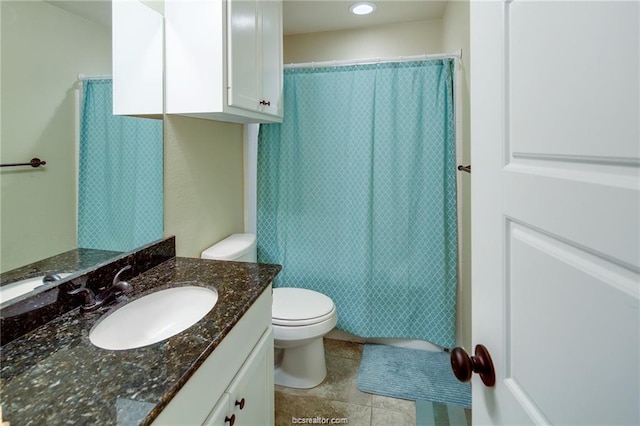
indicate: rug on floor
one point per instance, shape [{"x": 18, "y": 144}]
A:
[{"x": 411, "y": 374}]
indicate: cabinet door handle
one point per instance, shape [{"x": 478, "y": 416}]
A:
[
  {"x": 231, "y": 419},
  {"x": 240, "y": 403},
  {"x": 267, "y": 103}
]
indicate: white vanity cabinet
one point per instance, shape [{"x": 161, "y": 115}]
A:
[
  {"x": 137, "y": 56},
  {"x": 224, "y": 59},
  {"x": 234, "y": 385},
  {"x": 220, "y": 414},
  {"x": 249, "y": 398}
]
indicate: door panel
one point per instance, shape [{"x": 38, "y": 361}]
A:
[
  {"x": 242, "y": 67},
  {"x": 556, "y": 210},
  {"x": 271, "y": 56},
  {"x": 573, "y": 65},
  {"x": 251, "y": 392},
  {"x": 558, "y": 300}
]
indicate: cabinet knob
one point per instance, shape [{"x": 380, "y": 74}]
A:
[
  {"x": 267, "y": 103},
  {"x": 240, "y": 403},
  {"x": 231, "y": 419}
]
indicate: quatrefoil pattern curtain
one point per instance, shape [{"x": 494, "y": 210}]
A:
[
  {"x": 120, "y": 190},
  {"x": 357, "y": 195}
]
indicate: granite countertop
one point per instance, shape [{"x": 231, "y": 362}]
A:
[{"x": 54, "y": 375}]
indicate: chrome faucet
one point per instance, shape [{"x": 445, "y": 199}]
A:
[
  {"x": 51, "y": 278},
  {"x": 93, "y": 302}
]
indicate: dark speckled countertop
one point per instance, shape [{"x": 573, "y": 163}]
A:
[{"x": 54, "y": 375}]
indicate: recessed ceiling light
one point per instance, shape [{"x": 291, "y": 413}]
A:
[{"x": 362, "y": 8}]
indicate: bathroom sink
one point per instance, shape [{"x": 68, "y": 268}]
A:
[
  {"x": 153, "y": 318},
  {"x": 17, "y": 289}
]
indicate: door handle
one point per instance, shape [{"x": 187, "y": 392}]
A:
[{"x": 463, "y": 365}]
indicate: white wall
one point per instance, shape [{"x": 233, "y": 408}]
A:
[
  {"x": 455, "y": 26},
  {"x": 43, "y": 49}
]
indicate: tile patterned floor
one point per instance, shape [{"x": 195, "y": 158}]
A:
[
  {"x": 434, "y": 414},
  {"x": 338, "y": 396}
]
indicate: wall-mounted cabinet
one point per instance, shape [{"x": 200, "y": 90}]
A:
[
  {"x": 223, "y": 59},
  {"x": 137, "y": 46}
]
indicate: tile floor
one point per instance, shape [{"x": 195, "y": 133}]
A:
[{"x": 338, "y": 396}]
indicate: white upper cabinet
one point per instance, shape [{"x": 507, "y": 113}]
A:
[
  {"x": 224, "y": 59},
  {"x": 271, "y": 57},
  {"x": 137, "y": 33}
]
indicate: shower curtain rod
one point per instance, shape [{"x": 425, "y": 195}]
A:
[
  {"x": 84, "y": 77},
  {"x": 457, "y": 55}
]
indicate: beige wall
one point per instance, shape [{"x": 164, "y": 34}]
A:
[
  {"x": 455, "y": 26},
  {"x": 404, "y": 39},
  {"x": 203, "y": 182},
  {"x": 203, "y": 200},
  {"x": 43, "y": 50}
]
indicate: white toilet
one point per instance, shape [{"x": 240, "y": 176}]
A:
[
  {"x": 300, "y": 319},
  {"x": 236, "y": 247}
]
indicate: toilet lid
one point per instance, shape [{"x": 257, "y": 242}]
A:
[{"x": 300, "y": 305}]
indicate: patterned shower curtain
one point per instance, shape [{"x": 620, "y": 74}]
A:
[
  {"x": 357, "y": 195},
  {"x": 120, "y": 194}
]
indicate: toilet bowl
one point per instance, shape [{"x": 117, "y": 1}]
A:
[{"x": 300, "y": 319}]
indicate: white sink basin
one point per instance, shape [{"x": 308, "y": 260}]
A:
[
  {"x": 17, "y": 289},
  {"x": 153, "y": 318}
]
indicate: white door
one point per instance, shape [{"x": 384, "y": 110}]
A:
[{"x": 556, "y": 210}]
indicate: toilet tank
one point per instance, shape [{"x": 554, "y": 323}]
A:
[{"x": 236, "y": 247}]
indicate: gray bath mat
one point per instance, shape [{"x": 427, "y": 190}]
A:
[{"x": 411, "y": 374}]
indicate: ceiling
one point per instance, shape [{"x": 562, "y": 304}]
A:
[{"x": 302, "y": 16}]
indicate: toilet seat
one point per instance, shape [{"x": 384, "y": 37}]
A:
[
  {"x": 298, "y": 323},
  {"x": 299, "y": 307}
]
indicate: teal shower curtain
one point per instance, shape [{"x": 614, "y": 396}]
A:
[
  {"x": 357, "y": 195},
  {"x": 120, "y": 194}
]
